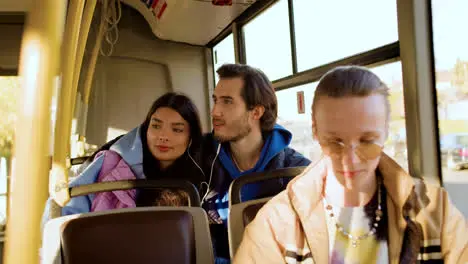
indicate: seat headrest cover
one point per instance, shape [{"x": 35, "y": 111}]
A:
[{"x": 130, "y": 237}]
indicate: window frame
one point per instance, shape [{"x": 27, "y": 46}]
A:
[{"x": 414, "y": 49}]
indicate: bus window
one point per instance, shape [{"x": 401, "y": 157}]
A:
[
  {"x": 451, "y": 66},
  {"x": 9, "y": 88},
  {"x": 223, "y": 53},
  {"x": 300, "y": 125},
  {"x": 327, "y": 31},
  {"x": 267, "y": 41},
  {"x": 395, "y": 146}
]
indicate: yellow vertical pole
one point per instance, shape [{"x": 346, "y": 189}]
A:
[
  {"x": 92, "y": 66},
  {"x": 40, "y": 53},
  {"x": 84, "y": 32},
  {"x": 66, "y": 104}
]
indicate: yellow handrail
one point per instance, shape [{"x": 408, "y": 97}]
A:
[
  {"x": 40, "y": 53},
  {"x": 84, "y": 32},
  {"x": 66, "y": 104},
  {"x": 92, "y": 65}
]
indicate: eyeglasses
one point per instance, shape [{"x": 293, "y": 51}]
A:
[{"x": 364, "y": 150}]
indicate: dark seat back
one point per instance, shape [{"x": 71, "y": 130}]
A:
[
  {"x": 251, "y": 211},
  {"x": 130, "y": 238},
  {"x": 133, "y": 235},
  {"x": 285, "y": 174}
]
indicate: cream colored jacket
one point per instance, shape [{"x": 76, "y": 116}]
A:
[{"x": 291, "y": 227}]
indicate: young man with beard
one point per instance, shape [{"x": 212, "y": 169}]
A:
[{"x": 245, "y": 139}]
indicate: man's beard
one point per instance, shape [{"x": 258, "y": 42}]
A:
[{"x": 243, "y": 129}]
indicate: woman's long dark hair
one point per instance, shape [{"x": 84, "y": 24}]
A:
[{"x": 183, "y": 167}]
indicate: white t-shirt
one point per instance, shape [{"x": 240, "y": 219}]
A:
[{"x": 354, "y": 220}]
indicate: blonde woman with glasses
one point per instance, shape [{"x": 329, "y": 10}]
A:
[{"x": 356, "y": 204}]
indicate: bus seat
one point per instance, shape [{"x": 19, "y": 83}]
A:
[
  {"x": 250, "y": 211},
  {"x": 241, "y": 213},
  {"x": 188, "y": 187},
  {"x": 136, "y": 235}
]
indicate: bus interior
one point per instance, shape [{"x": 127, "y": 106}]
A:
[{"x": 77, "y": 74}]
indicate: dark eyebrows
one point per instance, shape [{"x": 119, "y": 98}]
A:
[
  {"x": 178, "y": 124},
  {"x": 223, "y": 97},
  {"x": 227, "y": 97},
  {"x": 154, "y": 119}
]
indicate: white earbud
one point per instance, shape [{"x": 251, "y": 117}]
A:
[{"x": 211, "y": 174}]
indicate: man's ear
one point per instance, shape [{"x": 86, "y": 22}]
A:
[{"x": 258, "y": 111}]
